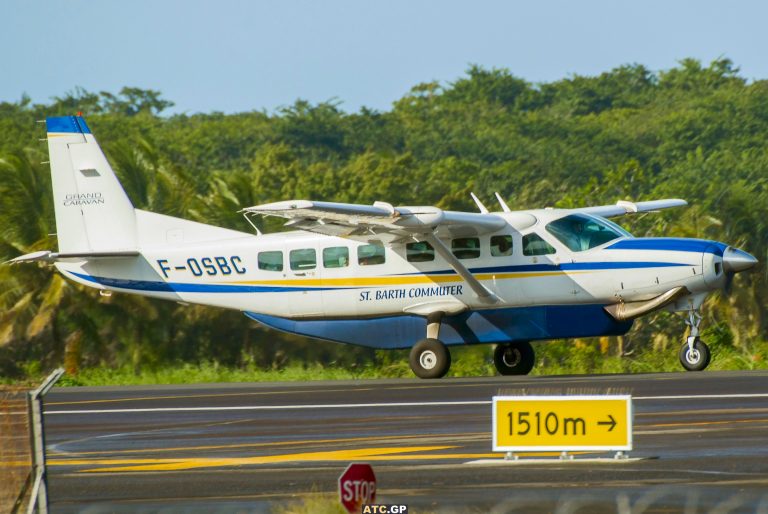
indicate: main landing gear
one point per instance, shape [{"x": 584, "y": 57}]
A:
[
  {"x": 694, "y": 354},
  {"x": 430, "y": 358},
  {"x": 514, "y": 358}
]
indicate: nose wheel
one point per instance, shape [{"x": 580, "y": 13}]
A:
[
  {"x": 694, "y": 354},
  {"x": 514, "y": 358}
]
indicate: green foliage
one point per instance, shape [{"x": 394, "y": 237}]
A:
[
  {"x": 695, "y": 131},
  {"x": 553, "y": 358}
]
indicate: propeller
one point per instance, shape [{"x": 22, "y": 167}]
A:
[
  {"x": 728, "y": 286},
  {"x": 735, "y": 261}
]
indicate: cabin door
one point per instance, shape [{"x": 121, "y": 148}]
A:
[{"x": 305, "y": 272}]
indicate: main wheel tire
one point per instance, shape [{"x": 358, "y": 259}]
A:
[
  {"x": 514, "y": 358},
  {"x": 696, "y": 360},
  {"x": 430, "y": 358}
]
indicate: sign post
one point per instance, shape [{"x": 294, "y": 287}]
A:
[
  {"x": 562, "y": 423},
  {"x": 357, "y": 487}
]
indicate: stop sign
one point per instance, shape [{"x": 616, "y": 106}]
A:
[{"x": 357, "y": 487}]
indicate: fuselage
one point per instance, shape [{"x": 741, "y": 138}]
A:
[{"x": 305, "y": 276}]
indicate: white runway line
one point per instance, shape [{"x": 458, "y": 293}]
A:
[
  {"x": 371, "y": 405},
  {"x": 273, "y": 407},
  {"x": 702, "y": 396}
]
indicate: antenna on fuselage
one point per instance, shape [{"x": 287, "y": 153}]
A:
[
  {"x": 483, "y": 208},
  {"x": 504, "y": 206}
]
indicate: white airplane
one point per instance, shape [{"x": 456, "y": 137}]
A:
[{"x": 384, "y": 276}]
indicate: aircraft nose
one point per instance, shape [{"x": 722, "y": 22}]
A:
[{"x": 735, "y": 260}]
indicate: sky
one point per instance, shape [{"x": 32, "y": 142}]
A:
[{"x": 233, "y": 56}]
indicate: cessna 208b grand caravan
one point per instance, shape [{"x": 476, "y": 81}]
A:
[{"x": 384, "y": 276}]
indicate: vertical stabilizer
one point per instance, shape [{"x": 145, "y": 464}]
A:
[{"x": 93, "y": 213}]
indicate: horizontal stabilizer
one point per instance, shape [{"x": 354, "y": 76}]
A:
[{"x": 48, "y": 256}]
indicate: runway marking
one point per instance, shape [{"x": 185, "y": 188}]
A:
[
  {"x": 369, "y": 405},
  {"x": 702, "y": 396},
  {"x": 276, "y": 443},
  {"x": 367, "y": 454},
  {"x": 703, "y": 423},
  {"x": 259, "y": 393},
  {"x": 186, "y": 396},
  {"x": 271, "y": 407},
  {"x": 693, "y": 412}
]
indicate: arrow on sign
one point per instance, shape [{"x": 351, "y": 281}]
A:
[{"x": 611, "y": 422}]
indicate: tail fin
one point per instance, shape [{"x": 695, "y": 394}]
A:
[{"x": 93, "y": 213}]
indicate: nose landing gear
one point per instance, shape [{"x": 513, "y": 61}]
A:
[{"x": 694, "y": 354}]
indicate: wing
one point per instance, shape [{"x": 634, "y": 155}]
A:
[
  {"x": 621, "y": 208},
  {"x": 379, "y": 221},
  {"x": 392, "y": 225}
]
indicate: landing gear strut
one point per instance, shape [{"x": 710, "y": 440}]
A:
[
  {"x": 429, "y": 357},
  {"x": 514, "y": 358},
  {"x": 694, "y": 354}
]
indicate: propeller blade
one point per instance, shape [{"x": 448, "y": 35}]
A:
[{"x": 728, "y": 287}]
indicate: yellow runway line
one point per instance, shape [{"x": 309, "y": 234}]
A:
[
  {"x": 368, "y": 454},
  {"x": 120, "y": 465},
  {"x": 272, "y": 444}
]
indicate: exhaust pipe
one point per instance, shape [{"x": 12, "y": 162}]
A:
[{"x": 624, "y": 311}]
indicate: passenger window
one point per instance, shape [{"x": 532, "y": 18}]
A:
[
  {"x": 336, "y": 257},
  {"x": 419, "y": 252},
  {"x": 533, "y": 244},
  {"x": 306, "y": 258},
  {"x": 271, "y": 261},
  {"x": 368, "y": 255},
  {"x": 466, "y": 247},
  {"x": 501, "y": 246}
]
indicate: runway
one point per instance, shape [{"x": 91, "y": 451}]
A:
[{"x": 247, "y": 447}]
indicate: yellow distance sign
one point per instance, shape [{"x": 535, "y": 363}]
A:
[{"x": 562, "y": 423}]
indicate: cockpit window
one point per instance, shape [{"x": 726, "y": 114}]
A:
[{"x": 580, "y": 232}]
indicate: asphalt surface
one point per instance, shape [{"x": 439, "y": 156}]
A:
[{"x": 702, "y": 437}]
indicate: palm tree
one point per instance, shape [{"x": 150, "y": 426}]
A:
[{"x": 31, "y": 296}]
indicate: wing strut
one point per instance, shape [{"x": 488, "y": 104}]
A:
[{"x": 480, "y": 290}]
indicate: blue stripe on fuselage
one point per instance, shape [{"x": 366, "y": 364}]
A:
[
  {"x": 673, "y": 244},
  {"x": 184, "y": 287},
  {"x": 568, "y": 266}
]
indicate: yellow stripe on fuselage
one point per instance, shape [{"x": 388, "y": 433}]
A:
[{"x": 393, "y": 281}]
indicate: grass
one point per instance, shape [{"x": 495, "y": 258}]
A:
[
  {"x": 328, "y": 503},
  {"x": 554, "y": 358},
  {"x": 316, "y": 503}
]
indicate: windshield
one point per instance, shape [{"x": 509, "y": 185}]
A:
[{"x": 580, "y": 232}]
